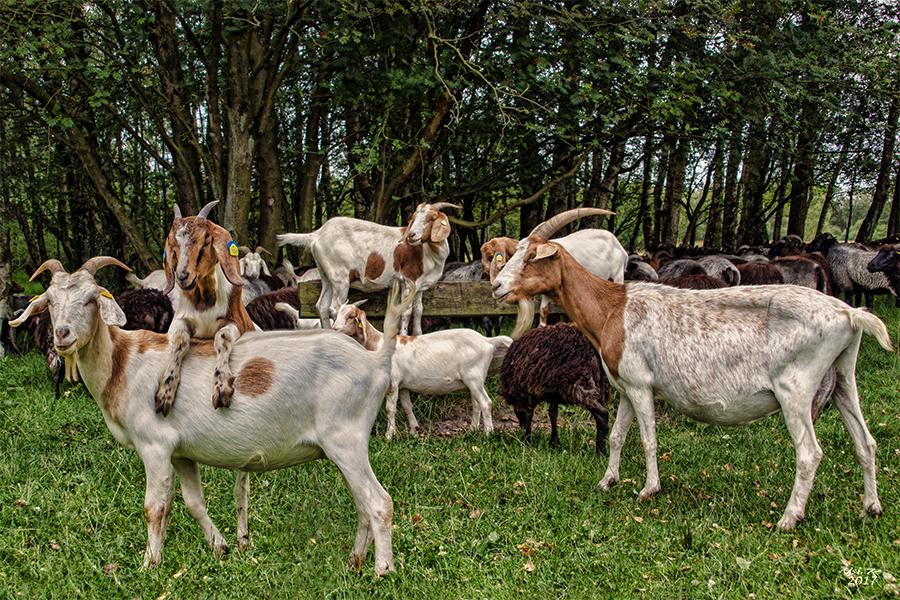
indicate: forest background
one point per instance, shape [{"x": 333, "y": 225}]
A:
[{"x": 699, "y": 122}]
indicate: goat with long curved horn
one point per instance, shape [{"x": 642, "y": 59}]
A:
[
  {"x": 557, "y": 222},
  {"x": 52, "y": 265},
  {"x": 94, "y": 264}
]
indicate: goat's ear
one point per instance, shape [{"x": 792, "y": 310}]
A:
[
  {"x": 37, "y": 305},
  {"x": 169, "y": 264},
  {"x": 110, "y": 311},
  {"x": 545, "y": 251},
  {"x": 227, "y": 252},
  {"x": 361, "y": 330},
  {"x": 440, "y": 229}
]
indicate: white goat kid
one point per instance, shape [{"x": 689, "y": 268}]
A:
[
  {"x": 303, "y": 396},
  {"x": 728, "y": 357},
  {"x": 598, "y": 251},
  {"x": 366, "y": 256},
  {"x": 435, "y": 363}
]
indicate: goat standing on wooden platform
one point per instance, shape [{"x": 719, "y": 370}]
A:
[
  {"x": 729, "y": 356},
  {"x": 203, "y": 260}
]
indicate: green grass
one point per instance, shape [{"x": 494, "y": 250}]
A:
[{"x": 475, "y": 516}]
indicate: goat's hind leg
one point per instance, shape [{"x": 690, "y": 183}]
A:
[
  {"x": 241, "y": 502},
  {"x": 846, "y": 399},
  {"x": 179, "y": 343},
  {"x": 157, "y": 501},
  {"x": 223, "y": 384},
  {"x": 192, "y": 491}
]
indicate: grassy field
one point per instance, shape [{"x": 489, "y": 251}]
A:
[{"x": 475, "y": 516}]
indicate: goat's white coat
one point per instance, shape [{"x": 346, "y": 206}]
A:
[
  {"x": 343, "y": 246},
  {"x": 307, "y": 395},
  {"x": 435, "y": 363},
  {"x": 726, "y": 357}
]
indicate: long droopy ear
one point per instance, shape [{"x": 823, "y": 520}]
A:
[
  {"x": 361, "y": 334},
  {"x": 110, "y": 311},
  {"x": 37, "y": 305},
  {"x": 169, "y": 263},
  {"x": 227, "y": 252},
  {"x": 440, "y": 229},
  {"x": 546, "y": 250}
]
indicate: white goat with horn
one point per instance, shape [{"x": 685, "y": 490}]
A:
[
  {"x": 302, "y": 396},
  {"x": 728, "y": 357}
]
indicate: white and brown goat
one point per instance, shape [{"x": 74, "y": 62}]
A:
[
  {"x": 367, "y": 256},
  {"x": 301, "y": 396},
  {"x": 598, "y": 251},
  {"x": 729, "y": 356},
  {"x": 435, "y": 363},
  {"x": 202, "y": 259}
]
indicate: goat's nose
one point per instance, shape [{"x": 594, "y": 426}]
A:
[{"x": 62, "y": 332}]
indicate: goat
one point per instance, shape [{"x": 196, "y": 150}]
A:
[
  {"x": 729, "y": 357},
  {"x": 557, "y": 365},
  {"x": 202, "y": 259},
  {"x": 155, "y": 280},
  {"x": 304, "y": 396},
  {"x": 252, "y": 262},
  {"x": 598, "y": 250},
  {"x": 366, "y": 256},
  {"x": 434, "y": 363}
]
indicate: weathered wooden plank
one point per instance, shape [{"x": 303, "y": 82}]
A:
[{"x": 442, "y": 300}]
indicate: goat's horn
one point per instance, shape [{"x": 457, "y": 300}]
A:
[
  {"x": 52, "y": 265},
  {"x": 557, "y": 222},
  {"x": 260, "y": 250},
  {"x": 244, "y": 249},
  {"x": 94, "y": 264},
  {"x": 442, "y": 205},
  {"x": 177, "y": 212},
  {"x": 204, "y": 212}
]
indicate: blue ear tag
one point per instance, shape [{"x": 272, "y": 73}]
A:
[
  {"x": 165, "y": 258},
  {"x": 499, "y": 257},
  {"x": 233, "y": 248}
]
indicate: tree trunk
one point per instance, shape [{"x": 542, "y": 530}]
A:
[
  {"x": 674, "y": 193},
  {"x": 894, "y": 218},
  {"x": 713, "y": 236},
  {"x": 753, "y": 228},
  {"x": 882, "y": 185},
  {"x": 832, "y": 185},
  {"x": 731, "y": 198}
]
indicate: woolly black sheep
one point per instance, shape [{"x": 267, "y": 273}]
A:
[
  {"x": 262, "y": 309},
  {"x": 146, "y": 308},
  {"x": 849, "y": 269},
  {"x": 557, "y": 365},
  {"x": 759, "y": 274},
  {"x": 887, "y": 261},
  {"x": 693, "y": 282}
]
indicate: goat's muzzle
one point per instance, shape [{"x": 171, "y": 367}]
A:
[{"x": 64, "y": 340}]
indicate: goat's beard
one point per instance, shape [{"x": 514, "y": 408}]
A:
[
  {"x": 524, "y": 319},
  {"x": 71, "y": 367}
]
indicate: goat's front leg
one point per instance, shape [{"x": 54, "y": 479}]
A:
[
  {"x": 241, "y": 502},
  {"x": 624, "y": 416},
  {"x": 192, "y": 491},
  {"x": 390, "y": 407},
  {"x": 406, "y": 403},
  {"x": 223, "y": 385},
  {"x": 179, "y": 343},
  {"x": 157, "y": 501},
  {"x": 642, "y": 404},
  {"x": 413, "y": 314}
]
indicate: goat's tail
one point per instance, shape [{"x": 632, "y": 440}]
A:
[
  {"x": 294, "y": 239},
  {"x": 869, "y": 323},
  {"x": 395, "y": 306}
]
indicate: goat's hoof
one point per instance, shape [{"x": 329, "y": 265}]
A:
[
  {"x": 607, "y": 483},
  {"x": 355, "y": 563},
  {"x": 243, "y": 541},
  {"x": 222, "y": 548},
  {"x": 163, "y": 407},
  {"x": 873, "y": 510}
]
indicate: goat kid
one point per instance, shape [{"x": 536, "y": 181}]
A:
[
  {"x": 435, "y": 363},
  {"x": 202, "y": 259},
  {"x": 727, "y": 357},
  {"x": 366, "y": 256},
  {"x": 303, "y": 396}
]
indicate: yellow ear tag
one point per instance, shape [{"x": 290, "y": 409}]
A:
[
  {"x": 233, "y": 249},
  {"x": 499, "y": 257},
  {"x": 359, "y": 325},
  {"x": 106, "y": 294},
  {"x": 33, "y": 299},
  {"x": 443, "y": 222}
]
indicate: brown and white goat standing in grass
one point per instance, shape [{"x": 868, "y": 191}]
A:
[
  {"x": 728, "y": 357},
  {"x": 301, "y": 396},
  {"x": 202, "y": 259}
]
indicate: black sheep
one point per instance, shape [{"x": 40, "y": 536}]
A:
[
  {"x": 262, "y": 309},
  {"x": 555, "y": 364},
  {"x": 760, "y": 274},
  {"x": 146, "y": 308}
]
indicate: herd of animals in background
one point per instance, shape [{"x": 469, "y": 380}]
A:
[{"x": 217, "y": 313}]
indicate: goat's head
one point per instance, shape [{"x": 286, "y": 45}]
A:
[
  {"x": 886, "y": 260},
  {"x": 74, "y": 302},
  {"x": 252, "y": 262},
  {"x": 194, "y": 247},
  {"x": 495, "y": 254},
  {"x": 351, "y": 320},
  {"x": 429, "y": 224}
]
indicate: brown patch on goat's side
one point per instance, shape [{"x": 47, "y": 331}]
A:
[
  {"x": 405, "y": 339},
  {"x": 202, "y": 348},
  {"x": 114, "y": 398},
  {"x": 374, "y": 266},
  {"x": 408, "y": 260},
  {"x": 354, "y": 276},
  {"x": 148, "y": 341},
  {"x": 256, "y": 377},
  {"x": 237, "y": 314}
]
